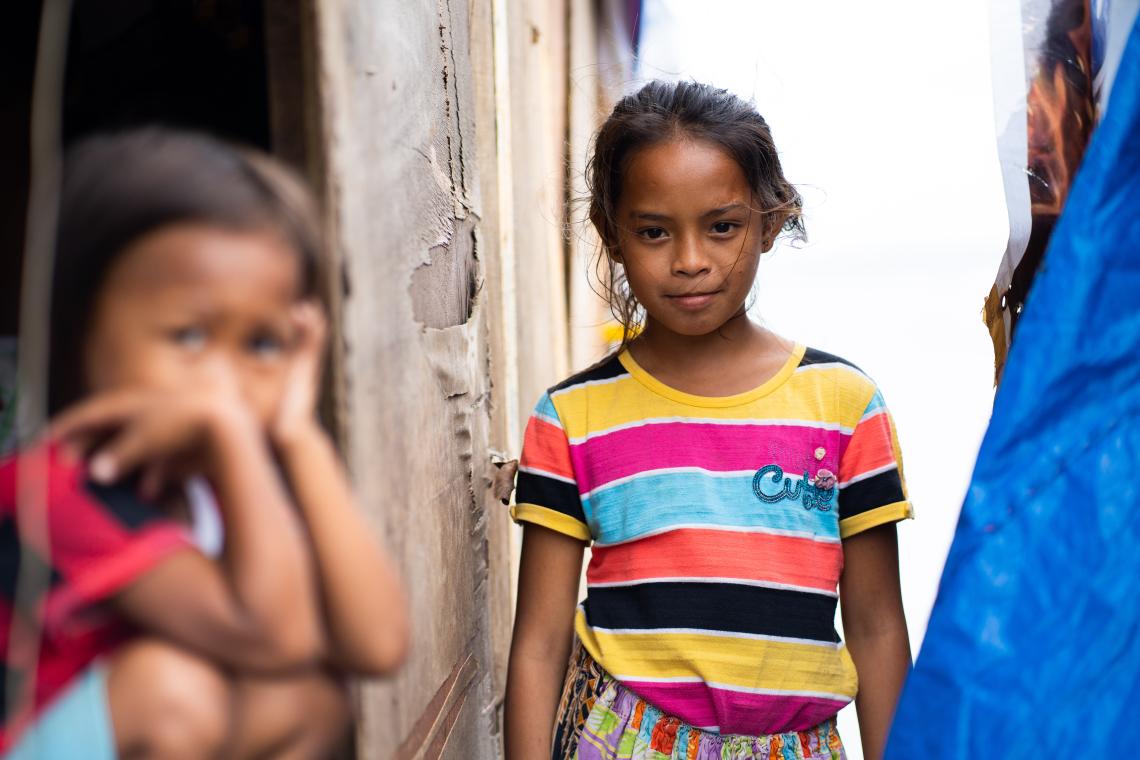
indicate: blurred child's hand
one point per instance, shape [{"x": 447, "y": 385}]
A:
[
  {"x": 296, "y": 415},
  {"x": 163, "y": 434}
]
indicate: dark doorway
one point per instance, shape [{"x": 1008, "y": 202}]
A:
[
  {"x": 229, "y": 67},
  {"x": 192, "y": 63},
  {"x": 188, "y": 63}
]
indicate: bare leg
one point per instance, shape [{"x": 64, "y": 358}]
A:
[
  {"x": 167, "y": 703},
  {"x": 303, "y": 717}
]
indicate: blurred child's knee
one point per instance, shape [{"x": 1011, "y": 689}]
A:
[
  {"x": 303, "y": 716},
  {"x": 167, "y": 702},
  {"x": 324, "y": 709}
]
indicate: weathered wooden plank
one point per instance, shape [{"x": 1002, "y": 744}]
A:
[{"x": 405, "y": 201}]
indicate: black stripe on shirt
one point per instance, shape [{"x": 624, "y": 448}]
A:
[
  {"x": 728, "y": 607},
  {"x": 604, "y": 370},
  {"x": 815, "y": 356},
  {"x": 550, "y": 493},
  {"x": 876, "y": 491},
  {"x": 11, "y": 555},
  {"x": 123, "y": 503}
]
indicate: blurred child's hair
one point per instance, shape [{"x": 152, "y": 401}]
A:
[
  {"x": 665, "y": 110},
  {"x": 119, "y": 187}
]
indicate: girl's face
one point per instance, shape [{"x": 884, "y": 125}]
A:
[
  {"x": 688, "y": 237},
  {"x": 191, "y": 306}
]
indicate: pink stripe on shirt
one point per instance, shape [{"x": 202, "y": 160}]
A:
[
  {"x": 718, "y": 448},
  {"x": 698, "y": 704}
]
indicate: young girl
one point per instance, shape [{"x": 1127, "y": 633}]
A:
[
  {"x": 729, "y": 481},
  {"x": 186, "y": 346}
]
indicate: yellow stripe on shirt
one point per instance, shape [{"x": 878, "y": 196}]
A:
[
  {"x": 591, "y": 408},
  {"x": 724, "y": 659},
  {"x": 552, "y": 519},
  {"x": 872, "y": 518}
]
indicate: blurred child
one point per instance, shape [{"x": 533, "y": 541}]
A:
[
  {"x": 731, "y": 481},
  {"x": 186, "y": 348}
]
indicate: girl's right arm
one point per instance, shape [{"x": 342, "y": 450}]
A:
[
  {"x": 549, "y": 573},
  {"x": 257, "y": 609}
]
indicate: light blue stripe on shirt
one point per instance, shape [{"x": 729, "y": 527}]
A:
[
  {"x": 655, "y": 502},
  {"x": 545, "y": 408}
]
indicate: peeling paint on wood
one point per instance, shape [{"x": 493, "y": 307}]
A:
[{"x": 443, "y": 290}]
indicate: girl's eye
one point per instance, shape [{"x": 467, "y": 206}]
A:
[
  {"x": 265, "y": 345},
  {"x": 189, "y": 338},
  {"x": 652, "y": 233},
  {"x": 723, "y": 228}
]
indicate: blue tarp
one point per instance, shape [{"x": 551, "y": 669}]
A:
[{"x": 1033, "y": 647}]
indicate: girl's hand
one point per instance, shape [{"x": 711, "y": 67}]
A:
[
  {"x": 159, "y": 432},
  {"x": 296, "y": 414}
]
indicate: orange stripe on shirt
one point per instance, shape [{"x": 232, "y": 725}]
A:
[
  {"x": 545, "y": 448},
  {"x": 707, "y": 553},
  {"x": 870, "y": 448}
]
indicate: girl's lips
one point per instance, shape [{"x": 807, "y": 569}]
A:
[{"x": 693, "y": 301}]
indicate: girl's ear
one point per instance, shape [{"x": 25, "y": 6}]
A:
[
  {"x": 773, "y": 223},
  {"x": 605, "y": 234}
]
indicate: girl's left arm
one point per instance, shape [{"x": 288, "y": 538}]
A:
[
  {"x": 365, "y": 610},
  {"x": 875, "y": 629}
]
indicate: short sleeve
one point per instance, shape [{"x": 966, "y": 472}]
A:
[
  {"x": 547, "y": 493},
  {"x": 102, "y": 539},
  {"x": 872, "y": 489}
]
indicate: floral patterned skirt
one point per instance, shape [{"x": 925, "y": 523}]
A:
[{"x": 599, "y": 719}]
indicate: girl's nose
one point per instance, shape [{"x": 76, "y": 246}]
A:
[
  {"x": 218, "y": 374},
  {"x": 690, "y": 259}
]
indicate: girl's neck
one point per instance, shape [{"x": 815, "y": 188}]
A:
[{"x": 735, "y": 358}]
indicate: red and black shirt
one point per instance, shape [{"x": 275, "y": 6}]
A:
[{"x": 99, "y": 539}]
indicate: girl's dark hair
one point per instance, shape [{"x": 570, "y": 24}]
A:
[
  {"x": 666, "y": 110},
  {"x": 119, "y": 187}
]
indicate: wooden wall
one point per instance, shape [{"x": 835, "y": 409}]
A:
[{"x": 442, "y": 128}]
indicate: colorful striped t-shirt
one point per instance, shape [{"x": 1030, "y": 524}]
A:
[{"x": 717, "y": 527}]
